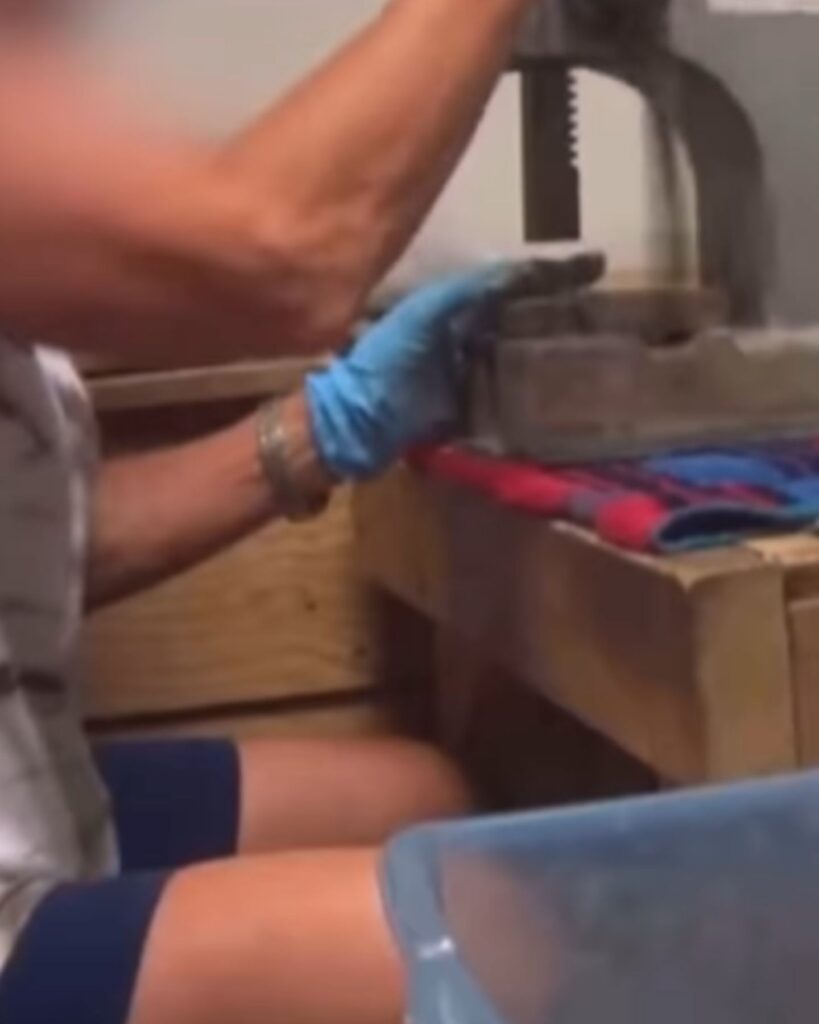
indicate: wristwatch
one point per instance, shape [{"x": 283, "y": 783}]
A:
[{"x": 299, "y": 498}]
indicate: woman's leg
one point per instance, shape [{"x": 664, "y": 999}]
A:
[
  {"x": 179, "y": 802},
  {"x": 299, "y": 938},
  {"x": 300, "y": 794}
]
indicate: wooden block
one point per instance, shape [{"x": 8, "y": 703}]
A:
[
  {"x": 682, "y": 662},
  {"x": 198, "y": 385},
  {"x": 742, "y": 674},
  {"x": 359, "y": 717},
  {"x": 798, "y": 556},
  {"x": 282, "y": 614},
  {"x": 804, "y": 626}
]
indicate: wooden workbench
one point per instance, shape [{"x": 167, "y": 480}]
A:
[
  {"x": 274, "y": 635},
  {"x": 703, "y": 666}
]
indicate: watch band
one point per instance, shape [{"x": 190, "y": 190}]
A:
[{"x": 297, "y": 502}]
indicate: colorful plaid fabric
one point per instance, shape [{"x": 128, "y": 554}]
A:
[{"x": 662, "y": 504}]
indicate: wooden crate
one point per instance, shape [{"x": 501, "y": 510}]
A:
[{"x": 703, "y": 666}]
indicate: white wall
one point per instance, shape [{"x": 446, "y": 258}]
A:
[{"x": 213, "y": 63}]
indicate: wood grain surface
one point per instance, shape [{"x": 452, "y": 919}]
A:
[
  {"x": 683, "y": 663},
  {"x": 359, "y": 715},
  {"x": 198, "y": 385},
  {"x": 282, "y": 614}
]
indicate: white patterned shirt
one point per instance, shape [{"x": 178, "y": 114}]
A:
[{"x": 55, "y": 823}]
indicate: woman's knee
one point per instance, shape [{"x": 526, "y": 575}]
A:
[
  {"x": 319, "y": 793},
  {"x": 425, "y": 783},
  {"x": 246, "y": 940}
]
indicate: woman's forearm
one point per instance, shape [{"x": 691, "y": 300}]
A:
[
  {"x": 157, "y": 514},
  {"x": 363, "y": 147},
  {"x": 113, "y": 237}
]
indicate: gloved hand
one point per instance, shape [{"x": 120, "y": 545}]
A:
[{"x": 399, "y": 383}]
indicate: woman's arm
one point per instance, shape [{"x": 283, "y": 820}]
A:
[
  {"x": 114, "y": 237},
  {"x": 156, "y": 515}
]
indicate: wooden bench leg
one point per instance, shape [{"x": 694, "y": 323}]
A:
[{"x": 518, "y": 749}]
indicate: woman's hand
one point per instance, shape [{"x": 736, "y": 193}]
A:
[{"x": 399, "y": 384}]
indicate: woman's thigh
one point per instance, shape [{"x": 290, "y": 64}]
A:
[
  {"x": 180, "y": 802},
  {"x": 293, "y": 937},
  {"x": 313, "y": 794},
  {"x": 300, "y": 938}
]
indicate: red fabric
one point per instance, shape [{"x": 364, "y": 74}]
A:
[
  {"x": 511, "y": 483},
  {"x": 631, "y": 522},
  {"x": 663, "y": 504}
]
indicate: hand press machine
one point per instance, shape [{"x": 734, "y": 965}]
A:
[{"x": 594, "y": 374}]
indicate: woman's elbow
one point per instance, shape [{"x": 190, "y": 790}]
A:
[{"x": 304, "y": 275}]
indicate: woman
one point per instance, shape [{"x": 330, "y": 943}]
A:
[{"x": 203, "y": 883}]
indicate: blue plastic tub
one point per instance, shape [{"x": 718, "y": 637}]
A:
[{"x": 699, "y": 908}]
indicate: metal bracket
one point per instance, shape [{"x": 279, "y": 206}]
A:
[{"x": 746, "y": 103}]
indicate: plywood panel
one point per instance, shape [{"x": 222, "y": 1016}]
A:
[{"x": 282, "y": 614}]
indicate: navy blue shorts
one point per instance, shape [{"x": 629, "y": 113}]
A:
[{"x": 175, "y": 803}]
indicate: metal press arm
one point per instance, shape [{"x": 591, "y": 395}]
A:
[{"x": 743, "y": 90}]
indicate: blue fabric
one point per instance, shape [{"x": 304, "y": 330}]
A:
[
  {"x": 709, "y": 469},
  {"x": 784, "y": 473},
  {"x": 175, "y": 803},
  {"x": 694, "y": 529},
  {"x": 78, "y": 959}
]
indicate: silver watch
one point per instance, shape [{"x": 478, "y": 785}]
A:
[{"x": 297, "y": 502}]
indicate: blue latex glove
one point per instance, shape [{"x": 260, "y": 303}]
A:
[{"x": 398, "y": 385}]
